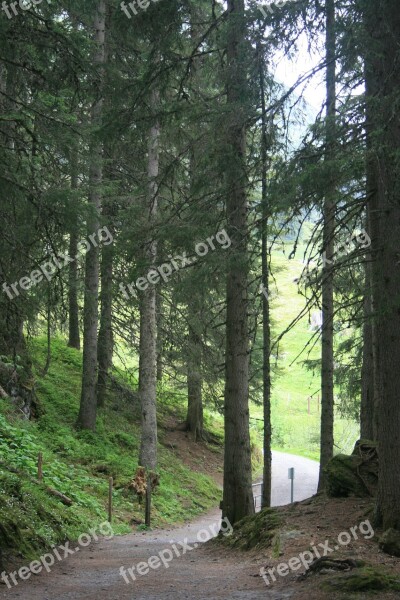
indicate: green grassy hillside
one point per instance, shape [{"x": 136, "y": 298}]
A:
[
  {"x": 294, "y": 430},
  {"x": 79, "y": 464}
]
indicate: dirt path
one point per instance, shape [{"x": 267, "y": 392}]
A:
[
  {"x": 199, "y": 573},
  {"x": 208, "y": 572},
  {"x": 211, "y": 571}
]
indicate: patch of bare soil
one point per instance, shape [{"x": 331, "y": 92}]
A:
[
  {"x": 202, "y": 457},
  {"x": 326, "y": 524}
]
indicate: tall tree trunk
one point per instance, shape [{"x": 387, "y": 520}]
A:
[
  {"x": 194, "y": 419},
  {"x": 12, "y": 341},
  {"x": 267, "y": 470},
  {"x": 74, "y": 340},
  {"x": 148, "y": 313},
  {"x": 106, "y": 338},
  {"x": 367, "y": 410},
  {"x": 373, "y": 218},
  {"x": 88, "y": 405},
  {"x": 327, "y": 398},
  {"x": 367, "y": 375},
  {"x": 160, "y": 334},
  {"x": 382, "y": 21},
  {"x": 238, "y": 497}
]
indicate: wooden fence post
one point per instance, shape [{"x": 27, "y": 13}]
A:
[
  {"x": 110, "y": 499},
  {"x": 40, "y": 467}
]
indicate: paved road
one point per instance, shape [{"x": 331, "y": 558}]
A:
[{"x": 305, "y": 483}]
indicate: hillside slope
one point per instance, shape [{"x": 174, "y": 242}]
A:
[{"x": 79, "y": 463}]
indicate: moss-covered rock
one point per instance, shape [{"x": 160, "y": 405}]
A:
[
  {"x": 354, "y": 475},
  {"x": 389, "y": 542},
  {"x": 363, "y": 580},
  {"x": 256, "y": 531}
]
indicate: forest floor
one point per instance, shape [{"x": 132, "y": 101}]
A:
[
  {"x": 196, "y": 570},
  {"x": 212, "y": 570},
  {"x": 94, "y": 573},
  {"x": 339, "y": 528},
  {"x": 198, "y": 457}
]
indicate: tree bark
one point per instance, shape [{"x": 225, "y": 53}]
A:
[
  {"x": 88, "y": 405},
  {"x": 382, "y": 23},
  {"x": 372, "y": 89},
  {"x": 367, "y": 375},
  {"x": 194, "y": 419},
  {"x": 106, "y": 338},
  {"x": 74, "y": 340},
  {"x": 267, "y": 467},
  {"x": 327, "y": 397},
  {"x": 367, "y": 409},
  {"x": 160, "y": 335},
  {"x": 238, "y": 497},
  {"x": 12, "y": 341},
  {"x": 148, "y": 312}
]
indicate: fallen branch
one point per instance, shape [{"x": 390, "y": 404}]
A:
[{"x": 64, "y": 499}]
